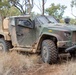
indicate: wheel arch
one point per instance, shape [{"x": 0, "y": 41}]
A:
[
  {"x": 54, "y": 38},
  {"x": 5, "y": 38},
  {"x": 5, "y": 35},
  {"x": 2, "y": 36}
]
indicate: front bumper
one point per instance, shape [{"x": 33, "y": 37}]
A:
[
  {"x": 71, "y": 49},
  {"x": 64, "y": 44}
]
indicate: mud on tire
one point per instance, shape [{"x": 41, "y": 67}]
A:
[{"x": 49, "y": 52}]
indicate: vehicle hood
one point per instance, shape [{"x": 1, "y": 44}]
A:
[{"x": 61, "y": 27}]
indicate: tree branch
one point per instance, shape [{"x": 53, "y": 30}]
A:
[
  {"x": 72, "y": 12},
  {"x": 18, "y": 8},
  {"x": 38, "y": 7}
]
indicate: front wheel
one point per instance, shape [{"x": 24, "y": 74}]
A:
[{"x": 49, "y": 52}]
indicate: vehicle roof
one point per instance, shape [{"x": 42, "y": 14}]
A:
[
  {"x": 45, "y": 16},
  {"x": 27, "y": 16}
]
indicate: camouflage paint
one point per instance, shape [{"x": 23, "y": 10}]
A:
[{"x": 30, "y": 37}]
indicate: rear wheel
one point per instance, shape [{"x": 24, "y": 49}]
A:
[
  {"x": 49, "y": 52},
  {"x": 4, "y": 45}
]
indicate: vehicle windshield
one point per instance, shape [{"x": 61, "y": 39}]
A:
[
  {"x": 46, "y": 19},
  {"x": 52, "y": 19},
  {"x": 43, "y": 20}
]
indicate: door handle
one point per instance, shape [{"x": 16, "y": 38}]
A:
[{"x": 20, "y": 34}]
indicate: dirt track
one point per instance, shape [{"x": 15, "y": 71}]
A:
[{"x": 18, "y": 64}]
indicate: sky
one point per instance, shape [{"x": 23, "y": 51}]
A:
[{"x": 62, "y": 2}]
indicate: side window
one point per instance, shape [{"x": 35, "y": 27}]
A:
[{"x": 25, "y": 23}]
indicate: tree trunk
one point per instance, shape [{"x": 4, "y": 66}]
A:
[{"x": 42, "y": 7}]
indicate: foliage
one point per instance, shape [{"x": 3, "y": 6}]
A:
[
  {"x": 13, "y": 11},
  {"x": 7, "y": 10},
  {"x": 56, "y": 10},
  {"x": 4, "y": 4},
  {"x": 61, "y": 21},
  {"x": 73, "y": 4},
  {"x": 4, "y": 7},
  {"x": 23, "y": 6},
  {"x": 73, "y": 21},
  {"x": 17, "y": 4}
]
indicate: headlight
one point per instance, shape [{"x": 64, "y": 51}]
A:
[{"x": 67, "y": 34}]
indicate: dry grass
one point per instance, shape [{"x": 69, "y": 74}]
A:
[
  {"x": 15, "y": 64},
  {"x": 18, "y": 64},
  {"x": 58, "y": 69}
]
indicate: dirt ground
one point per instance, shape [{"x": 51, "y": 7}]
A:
[{"x": 14, "y": 63}]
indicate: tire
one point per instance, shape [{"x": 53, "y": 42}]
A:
[
  {"x": 73, "y": 54},
  {"x": 4, "y": 45},
  {"x": 49, "y": 52}
]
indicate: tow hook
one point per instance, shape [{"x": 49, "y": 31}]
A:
[{"x": 70, "y": 49}]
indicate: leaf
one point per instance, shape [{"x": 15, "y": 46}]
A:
[{"x": 56, "y": 10}]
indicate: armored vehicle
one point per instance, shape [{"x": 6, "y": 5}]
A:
[{"x": 42, "y": 35}]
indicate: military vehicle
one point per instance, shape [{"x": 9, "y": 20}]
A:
[{"x": 42, "y": 35}]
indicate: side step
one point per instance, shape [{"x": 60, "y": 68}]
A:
[{"x": 23, "y": 50}]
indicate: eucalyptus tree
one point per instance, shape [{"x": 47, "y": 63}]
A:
[
  {"x": 56, "y": 10},
  {"x": 24, "y": 6},
  {"x": 73, "y": 5}
]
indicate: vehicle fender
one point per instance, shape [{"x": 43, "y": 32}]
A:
[
  {"x": 5, "y": 35},
  {"x": 58, "y": 37},
  {"x": 47, "y": 34}
]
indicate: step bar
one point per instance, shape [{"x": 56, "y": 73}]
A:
[{"x": 24, "y": 50}]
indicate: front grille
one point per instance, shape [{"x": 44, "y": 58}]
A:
[{"x": 74, "y": 37}]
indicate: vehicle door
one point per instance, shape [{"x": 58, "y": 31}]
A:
[{"x": 25, "y": 32}]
